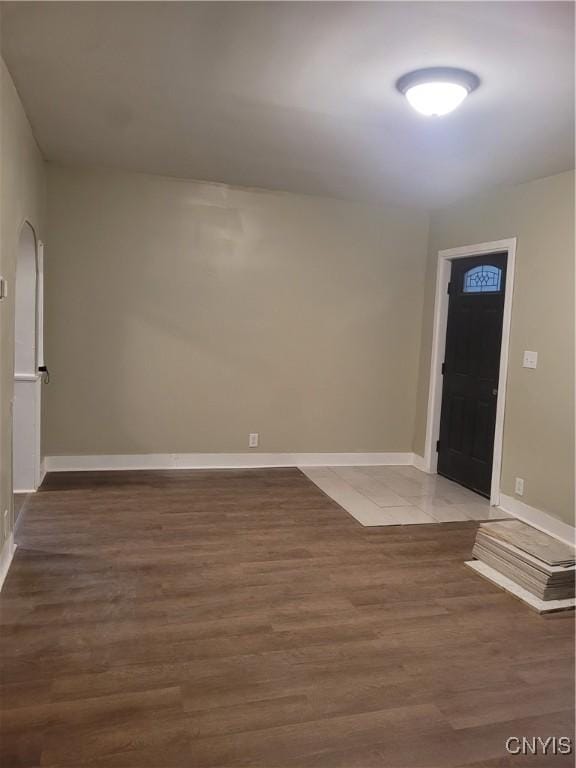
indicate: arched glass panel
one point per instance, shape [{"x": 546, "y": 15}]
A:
[{"x": 483, "y": 279}]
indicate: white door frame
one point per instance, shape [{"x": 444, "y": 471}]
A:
[
  {"x": 27, "y": 396},
  {"x": 39, "y": 357},
  {"x": 40, "y": 304},
  {"x": 445, "y": 259}
]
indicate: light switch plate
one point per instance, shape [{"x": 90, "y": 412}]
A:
[{"x": 530, "y": 359}]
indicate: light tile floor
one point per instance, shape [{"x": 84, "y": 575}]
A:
[{"x": 400, "y": 496}]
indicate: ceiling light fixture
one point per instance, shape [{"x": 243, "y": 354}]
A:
[{"x": 437, "y": 90}]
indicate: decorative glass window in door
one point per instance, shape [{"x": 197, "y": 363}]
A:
[{"x": 483, "y": 279}]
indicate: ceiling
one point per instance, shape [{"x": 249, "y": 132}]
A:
[{"x": 298, "y": 96}]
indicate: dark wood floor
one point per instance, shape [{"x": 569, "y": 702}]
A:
[{"x": 241, "y": 618}]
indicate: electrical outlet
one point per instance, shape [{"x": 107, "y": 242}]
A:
[
  {"x": 253, "y": 439},
  {"x": 519, "y": 487}
]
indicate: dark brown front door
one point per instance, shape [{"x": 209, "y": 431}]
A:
[{"x": 470, "y": 370}]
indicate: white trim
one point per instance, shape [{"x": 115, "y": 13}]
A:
[
  {"x": 6, "y": 557},
  {"x": 419, "y": 463},
  {"x": 439, "y": 347},
  {"x": 33, "y": 472},
  {"x": 40, "y": 304},
  {"x": 38, "y": 435},
  {"x": 222, "y": 461},
  {"x": 39, "y": 471},
  {"x": 27, "y": 471},
  {"x": 537, "y": 518}
]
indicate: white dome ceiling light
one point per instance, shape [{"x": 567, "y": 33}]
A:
[{"x": 437, "y": 90}]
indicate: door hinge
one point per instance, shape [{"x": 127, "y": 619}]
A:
[
  {"x": 449, "y": 287},
  {"x": 443, "y": 368},
  {"x": 437, "y": 446}
]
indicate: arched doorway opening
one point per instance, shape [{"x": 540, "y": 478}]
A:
[{"x": 27, "y": 358}]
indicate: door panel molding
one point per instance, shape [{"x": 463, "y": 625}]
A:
[{"x": 444, "y": 267}]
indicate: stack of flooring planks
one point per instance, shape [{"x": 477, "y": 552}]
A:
[{"x": 527, "y": 562}]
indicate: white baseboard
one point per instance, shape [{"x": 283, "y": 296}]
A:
[
  {"x": 420, "y": 463},
  {"x": 537, "y": 518},
  {"x": 222, "y": 461},
  {"x": 6, "y": 556},
  {"x": 41, "y": 476}
]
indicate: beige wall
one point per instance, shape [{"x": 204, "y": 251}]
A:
[
  {"x": 539, "y": 420},
  {"x": 22, "y": 187},
  {"x": 181, "y": 316}
]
